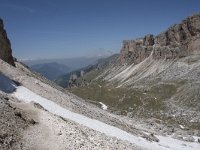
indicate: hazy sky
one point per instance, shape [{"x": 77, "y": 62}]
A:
[{"x": 73, "y": 28}]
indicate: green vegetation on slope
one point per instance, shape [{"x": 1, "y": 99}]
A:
[{"x": 127, "y": 100}]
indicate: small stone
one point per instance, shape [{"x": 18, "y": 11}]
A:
[
  {"x": 6, "y": 98},
  {"x": 60, "y": 133},
  {"x": 190, "y": 139},
  {"x": 33, "y": 122},
  {"x": 184, "y": 144}
]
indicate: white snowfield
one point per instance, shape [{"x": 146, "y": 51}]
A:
[{"x": 165, "y": 143}]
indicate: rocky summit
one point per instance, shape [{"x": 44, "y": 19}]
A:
[
  {"x": 5, "y": 46},
  {"x": 178, "y": 41}
]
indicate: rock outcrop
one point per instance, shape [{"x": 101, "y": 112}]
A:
[
  {"x": 178, "y": 41},
  {"x": 5, "y": 46}
]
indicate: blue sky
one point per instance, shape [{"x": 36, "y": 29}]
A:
[{"x": 74, "y": 28}]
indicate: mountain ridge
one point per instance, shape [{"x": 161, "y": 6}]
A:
[
  {"x": 179, "y": 40},
  {"x": 51, "y": 70}
]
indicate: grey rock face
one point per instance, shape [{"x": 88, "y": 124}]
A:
[
  {"x": 5, "y": 46},
  {"x": 148, "y": 40},
  {"x": 178, "y": 41}
]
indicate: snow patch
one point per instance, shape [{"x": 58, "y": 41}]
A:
[
  {"x": 6, "y": 85},
  {"x": 165, "y": 143},
  {"x": 103, "y": 106},
  {"x": 181, "y": 126}
]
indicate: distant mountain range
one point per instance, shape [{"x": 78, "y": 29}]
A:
[
  {"x": 64, "y": 79},
  {"x": 51, "y": 70},
  {"x": 55, "y": 69},
  {"x": 73, "y": 63}
]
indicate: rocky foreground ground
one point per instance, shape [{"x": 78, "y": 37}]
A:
[{"x": 27, "y": 126}]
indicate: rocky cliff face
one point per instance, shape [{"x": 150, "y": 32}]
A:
[
  {"x": 5, "y": 46},
  {"x": 178, "y": 41}
]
